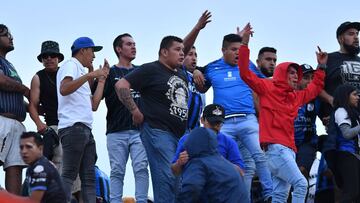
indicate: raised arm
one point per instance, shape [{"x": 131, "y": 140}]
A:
[
  {"x": 250, "y": 78},
  {"x": 317, "y": 85},
  {"x": 68, "y": 85},
  {"x": 189, "y": 40},
  {"x": 122, "y": 88},
  {"x": 100, "y": 86}
]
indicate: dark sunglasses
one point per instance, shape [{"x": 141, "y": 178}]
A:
[{"x": 45, "y": 56}]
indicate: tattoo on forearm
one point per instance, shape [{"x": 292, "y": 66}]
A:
[{"x": 125, "y": 97}]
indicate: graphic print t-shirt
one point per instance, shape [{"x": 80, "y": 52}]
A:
[
  {"x": 341, "y": 69},
  {"x": 164, "y": 96}
]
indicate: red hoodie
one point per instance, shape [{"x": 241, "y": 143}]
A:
[{"x": 278, "y": 101}]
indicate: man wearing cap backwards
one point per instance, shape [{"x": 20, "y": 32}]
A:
[
  {"x": 75, "y": 106},
  {"x": 12, "y": 113},
  {"x": 43, "y": 93},
  {"x": 279, "y": 104},
  {"x": 305, "y": 127}
]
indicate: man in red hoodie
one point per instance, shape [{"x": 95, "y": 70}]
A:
[{"x": 279, "y": 104}]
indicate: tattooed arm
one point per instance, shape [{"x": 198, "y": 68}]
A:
[
  {"x": 122, "y": 88},
  {"x": 10, "y": 85}
]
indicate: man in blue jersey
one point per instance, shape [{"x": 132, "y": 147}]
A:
[
  {"x": 240, "y": 120},
  {"x": 12, "y": 113},
  {"x": 305, "y": 127},
  {"x": 196, "y": 99}
]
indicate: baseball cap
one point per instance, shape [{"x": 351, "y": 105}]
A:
[
  {"x": 214, "y": 113},
  {"x": 84, "y": 42},
  {"x": 306, "y": 68},
  {"x": 345, "y": 26}
]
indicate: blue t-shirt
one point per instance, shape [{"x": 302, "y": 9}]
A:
[
  {"x": 230, "y": 91},
  {"x": 227, "y": 147}
]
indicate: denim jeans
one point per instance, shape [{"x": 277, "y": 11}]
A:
[
  {"x": 245, "y": 131},
  {"x": 285, "y": 173},
  {"x": 79, "y": 153},
  {"x": 120, "y": 145},
  {"x": 160, "y": 148}
]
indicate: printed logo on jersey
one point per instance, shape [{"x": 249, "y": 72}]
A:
[
  {"x": 310, "y": 107},
  {"x": 178, "y": 95},
  {"x": 134, "y": 94},
  {"x": 230, "y": 76},
  {"x": 350, "y": 73}
]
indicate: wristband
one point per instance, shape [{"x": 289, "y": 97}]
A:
[{"x": 321, "y": 66}]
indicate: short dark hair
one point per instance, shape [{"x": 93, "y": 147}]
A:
[
  {"x": 230, "y": 38},
  {"x": 118, "y": 42},
  {"x": 3, "y": 27},
  {"x": 167, "y": 41},
  {"x": 37, "y": 137},
  {"x": 266, "y": 49}
]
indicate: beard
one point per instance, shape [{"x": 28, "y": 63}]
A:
[
  {"x": 266, "y": 72},
  {"x": 352, "y": 50}
]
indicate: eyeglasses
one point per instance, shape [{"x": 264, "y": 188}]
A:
[
  {"x": 7, "y": 34},
  {"x": 45, "y": 56}
]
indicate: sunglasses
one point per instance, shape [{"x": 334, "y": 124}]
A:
[{"x": 45, "y": 56}]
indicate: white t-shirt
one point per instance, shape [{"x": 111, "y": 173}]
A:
[
  {"x": 75, "y": 107},
  {"x": 341, "y": 117}
]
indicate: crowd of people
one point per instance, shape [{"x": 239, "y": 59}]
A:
[{"x": 260, "y": 125}]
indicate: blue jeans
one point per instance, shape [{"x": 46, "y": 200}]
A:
[
  {"x": 245, "y": 131},
  {"x": 160, "y": 148},
  {"x": 285, "y": 173},
  {"x": 120, "y": 145},
  {"x": 79, "y": 153}
]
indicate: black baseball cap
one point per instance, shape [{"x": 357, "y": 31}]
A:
[
  {"x": 345, "y": 26},
  {"x": 306, "y": 68},
  {"x": 214, "y": 113}
]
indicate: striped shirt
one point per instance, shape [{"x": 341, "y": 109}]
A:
[
  {"x": 11, "y": 102},
  {"x": 196, "y": 102}
]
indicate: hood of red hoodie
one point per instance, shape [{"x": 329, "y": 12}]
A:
[{"x": 280, "y": 75}]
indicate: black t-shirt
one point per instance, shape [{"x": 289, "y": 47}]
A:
[
  {"x": 341, "y": 69},
  {"x": 118, "y": 116},
  {"x": 43, "y": 176},
  {"x": 48, "y": 96},
  {"x": 164, "y": 96}
]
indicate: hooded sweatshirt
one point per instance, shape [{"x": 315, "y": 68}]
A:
[
  {"x": 207, "y": 175},
  {"x": 279, "y": 102}
]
